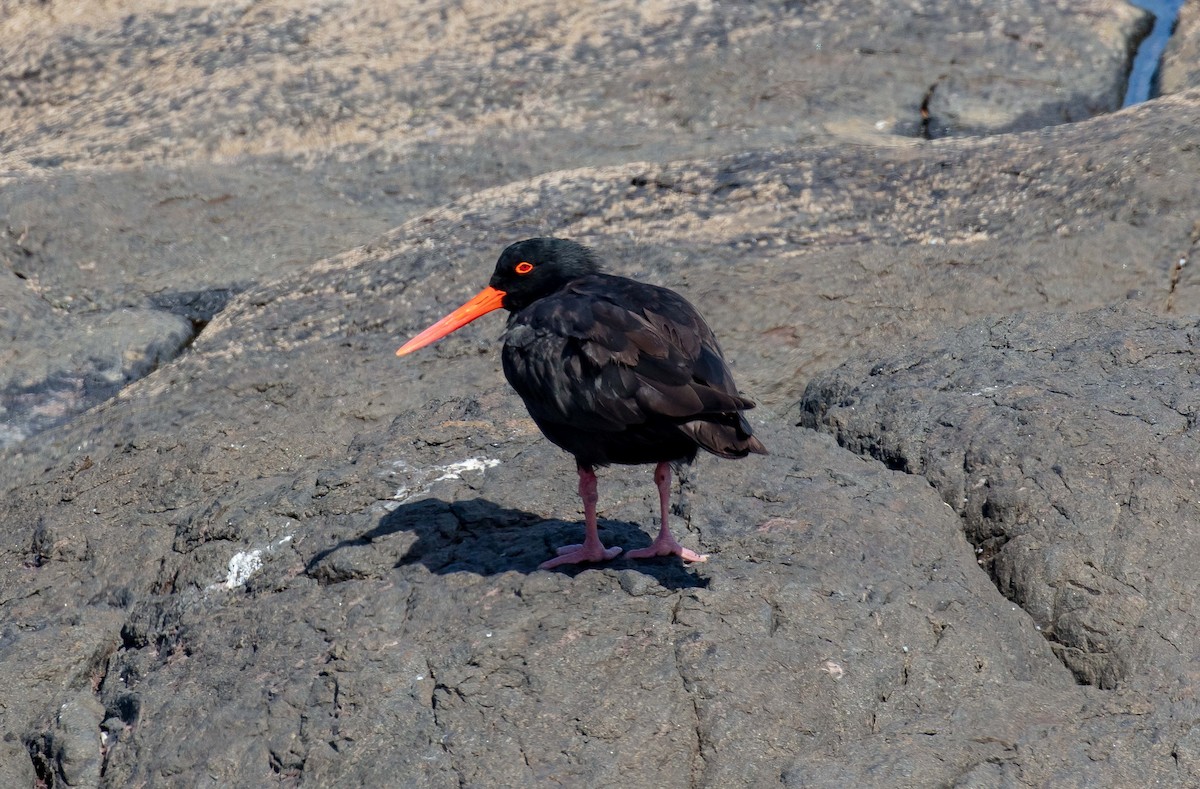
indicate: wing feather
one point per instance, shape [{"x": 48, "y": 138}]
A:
[{"x": 610, "y": 354}]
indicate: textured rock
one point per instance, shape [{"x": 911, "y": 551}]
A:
[
  {"x": 422, "y": 643},
  {"x": 107, "y": 351},
  {"x": 77, "y": 744},
  {"x": 156, "y": 147},
  {"x": 1181, "y": 61},
  {"x": 322, "y": 585},
  {"x": 1068, "y": 445},
  {"x": 288, "y": 557},
  {"x": 159, "y": 80}
]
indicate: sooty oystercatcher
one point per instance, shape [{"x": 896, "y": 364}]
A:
[{"x": 612, "y": 370}]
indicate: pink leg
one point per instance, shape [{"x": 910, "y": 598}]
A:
[
  {"x": 592, "y": 550},
  {"x": 665, "y": 544}
]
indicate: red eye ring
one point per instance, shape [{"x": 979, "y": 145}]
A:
[{"x": 523, "y": 267}]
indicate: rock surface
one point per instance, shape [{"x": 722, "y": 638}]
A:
[
  {"x": 1069, "y": 447},
  {"x": 1181, "y": 61},
  {"x": 161, "y": 80},
  {"x": 288, "y": 557},
  {"x": 157, "y": 147}
]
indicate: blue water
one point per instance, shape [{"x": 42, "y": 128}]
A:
[{"x": 1142, "y": 77}]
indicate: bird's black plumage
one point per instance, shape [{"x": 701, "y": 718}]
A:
[{"x": 614, "y": 370}]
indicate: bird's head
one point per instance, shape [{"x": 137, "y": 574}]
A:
[
  {"x": 526, "y": 271},
  {"x": 536, "y": 267}
]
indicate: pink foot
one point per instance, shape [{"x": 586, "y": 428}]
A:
[
  {"x": 574, "y": 554},
  {"x": 591, "y": 550},
  {"x": 666, "y": 546}
]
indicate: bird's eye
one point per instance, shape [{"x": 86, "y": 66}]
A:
[{"x": 523, "y": 267}]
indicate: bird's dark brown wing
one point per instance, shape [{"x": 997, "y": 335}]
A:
[{"x": 608, "y": 354}]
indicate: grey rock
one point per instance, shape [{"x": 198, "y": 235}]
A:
[
  {"x": 51, "y": 724},
  {"x": 152, "y": 151},
  {"x": 107, "y": 352},
  {"x": 287, "y": 557},
  {"x": 16, "y": 767},
  {"x": 998, "y": 99},
  {"x": 457, "y": 662},
  {"x": 617, "y": 79},
  {"x": 1181, "y": 61},
  {"x": 1068, "y": 446},
  {"x": 76, "y": 743},
  {"x": 1187, "y": 752}
]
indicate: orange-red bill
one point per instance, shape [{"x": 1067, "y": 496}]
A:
[{"x": 484, "y": 302}]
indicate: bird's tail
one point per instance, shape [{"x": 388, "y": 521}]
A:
[{"x": 727, "y": 435}]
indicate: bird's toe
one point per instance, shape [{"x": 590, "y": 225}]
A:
[
  {"x": 575, "y": 554},
  {"x": 669, "y": 547}
]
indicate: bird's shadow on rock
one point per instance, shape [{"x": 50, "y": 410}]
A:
[{"x": 482, "y": 537}]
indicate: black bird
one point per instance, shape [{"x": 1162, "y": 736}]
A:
[{"x": 612, "y": 370}]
